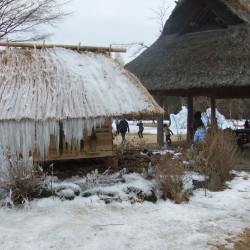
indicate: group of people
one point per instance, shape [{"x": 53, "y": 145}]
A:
[
  {"x": 122, "y": 127},
  {"x": 198, "y": 128}
]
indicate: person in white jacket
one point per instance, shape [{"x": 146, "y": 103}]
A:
[{"x": 200, "y": 133}]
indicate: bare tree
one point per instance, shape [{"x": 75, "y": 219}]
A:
[
  {"x": 160, "y": 16},
  {"x": 22, "y": 20}
]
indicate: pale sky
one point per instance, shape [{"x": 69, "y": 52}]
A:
[{"x": 102, "y": 23}]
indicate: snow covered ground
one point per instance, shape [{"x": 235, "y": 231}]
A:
[{"x": 88, "y": 222}]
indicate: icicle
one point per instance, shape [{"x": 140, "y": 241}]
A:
[
  {"x": 93, "y": 123},
  {"x": 43, "y": 132},
  {"x": 18, "y": 137}
]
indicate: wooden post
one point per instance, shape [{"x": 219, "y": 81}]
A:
[
  {"x": 190, "y": 108},
  {"x": 159, "y": 99},
  {"x": 213, "y": 112}
]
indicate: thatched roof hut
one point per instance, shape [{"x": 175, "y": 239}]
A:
[
  {"x": 204, "y": 50},
  {"x": 42, "y": 89}
]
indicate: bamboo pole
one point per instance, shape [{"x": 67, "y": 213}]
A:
[{"x": 73, "y": 47}]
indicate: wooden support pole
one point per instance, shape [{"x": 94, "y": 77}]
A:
[
  {"x": 73, "y": 47},
  {"x": 159, "y": 99},
  {"x": 213, "y": 112},
  {"x": 190, "y": 131}
]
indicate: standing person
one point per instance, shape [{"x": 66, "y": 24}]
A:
[
  {"x": 246, "y": 125},
  {"x": 141, "y": 128},
  {"x": 168, "y": 133},
  {"x": 123, "y": 128},
  {"x": 200, "y": 133},
  {"x": 194, "y": 125},
  {"x": 197, "y": 119}
]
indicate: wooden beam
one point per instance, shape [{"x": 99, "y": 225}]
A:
[
  {"x": 190, "y": 107},
  {"x": 213, "y": 112},
  {"x": 231, "y": 92},
  {"x": 72, "y": 47},
  {"x": 159, "y": 100}
]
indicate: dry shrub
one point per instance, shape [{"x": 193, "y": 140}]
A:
[
  {"x": 134, "y": 156},
  {"x": 169, "y": 174},
  {"x": 217, "y": 156},
  {"x": 135, "y": 146},
  {"x": 22, "y": 179}
]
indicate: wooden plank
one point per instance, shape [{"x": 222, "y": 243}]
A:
[{"x": 82, "y": 156}]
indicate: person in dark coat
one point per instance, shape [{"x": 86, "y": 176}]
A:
[
  {"x": 123, "y": 128},
  {"x": 197, "y": 120},
  {"x": 141, "y": 128},
  {"x": 246, "y": 125},
  {"x": 168, "y": 132}
]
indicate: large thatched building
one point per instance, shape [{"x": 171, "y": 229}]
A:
[
  {"x": 204, "y": 50},
  {"x": 57, "y": 103}
]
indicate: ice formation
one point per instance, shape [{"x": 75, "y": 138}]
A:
[{"x": 179, "y": 121}]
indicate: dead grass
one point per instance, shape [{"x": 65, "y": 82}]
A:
[
  {"x": 21, "y": 179},
  {"x": 216, "y": 157},
  {"x": 168, "y": 173},
  {"x": 241, "y": 242},
  {"x": 135, "y": 156}
]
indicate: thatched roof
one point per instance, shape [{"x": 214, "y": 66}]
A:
[
  {"x": 204, "y": 47},
  {"x": 40, "y": 87},
  {"x": 59, "y": 84}
]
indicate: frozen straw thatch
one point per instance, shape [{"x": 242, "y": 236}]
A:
[{"x": 40, "y": 87}]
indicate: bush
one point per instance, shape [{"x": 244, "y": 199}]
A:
[
  {"x": 21, "y": 178},
  {"x": 216, "y": 157},
  {"x": 135, "y": 157},
  {"x": 168, "y": 174}
]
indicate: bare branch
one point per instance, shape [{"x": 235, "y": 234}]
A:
[
  {"x": 25, "y": 18},
  {"x": 161, "y": 16}
]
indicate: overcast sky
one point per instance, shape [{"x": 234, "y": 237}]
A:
[{"x": 102, "y": 23}]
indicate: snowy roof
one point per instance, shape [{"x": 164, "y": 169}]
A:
[
  {"x": 58, "y": 83},
  {"x": 39, "y": 87}
]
